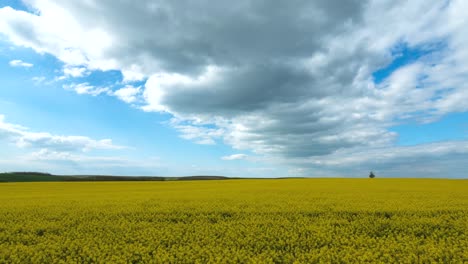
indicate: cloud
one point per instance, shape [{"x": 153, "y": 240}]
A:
[
  {"x": 128, "y": 94},
  {"x": 199, "y": 134},
  {"x": 75, "y": 72},
  {"x": 289, "y": 81},
  {"x": 20, "y": 63},
  {"x": 24, "y": 138},
  {"x": 439, "y": 159},
  {"x": 46, "y": 160},
  {"x": 315, "y": 105},
  {"x": 86, "y": 88},
  {"x": 42, "y": 151},
  {"x": 235, "y": 157}
]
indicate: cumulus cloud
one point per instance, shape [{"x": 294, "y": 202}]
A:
[
  {"x": 24, "y": 138},
  {"x": 20, "y": 63},
  {"x": 289, "y": 80}
]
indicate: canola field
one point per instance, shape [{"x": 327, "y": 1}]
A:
[{"x": 236, "y": 221}]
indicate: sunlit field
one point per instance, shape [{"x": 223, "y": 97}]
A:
[{"x": 235, "y": 221}]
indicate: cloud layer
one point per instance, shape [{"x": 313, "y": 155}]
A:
[
  {"x": 290, "y": 81},
  {"x": 23, "y": 137}
]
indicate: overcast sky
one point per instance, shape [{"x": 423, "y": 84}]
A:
[{"x": 236, "y": 88}]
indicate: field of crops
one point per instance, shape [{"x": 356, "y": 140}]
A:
[{"x": 235, "y": 221}]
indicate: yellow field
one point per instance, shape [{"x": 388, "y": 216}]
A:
[{"x": 246, "y": 221}]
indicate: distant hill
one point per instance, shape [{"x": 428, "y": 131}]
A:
[
  {"x": 46, "y": 177},
  {"x": 28, "y": 177}
]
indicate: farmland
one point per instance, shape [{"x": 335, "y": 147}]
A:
[{"x": 235, "y": 221}]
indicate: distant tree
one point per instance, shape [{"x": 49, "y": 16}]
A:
[{"x": 372, "y": 175}]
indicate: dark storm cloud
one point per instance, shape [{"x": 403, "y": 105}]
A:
[{"x": 185, "y": 36}]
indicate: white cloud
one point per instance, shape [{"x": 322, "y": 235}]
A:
[
  {"x": 128, "y": 94},
  {"x": 199, "y": 134},
  {"x": 24, "y": 138},
  {"x": 86, "y": 88},
  {"x": 53, "y": 29},
  {"x": 133, "y": 73},
  {"x": 75, "y": 72},
  {"x": 235, "y": 157},
  {"x": 20, "y": 63}
]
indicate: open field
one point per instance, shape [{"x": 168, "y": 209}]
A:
[{"x": 266, "y": 221}]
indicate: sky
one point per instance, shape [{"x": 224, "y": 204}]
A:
[{"x": 325, "y": 88}]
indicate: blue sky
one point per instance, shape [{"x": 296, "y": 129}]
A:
[{"x": 176, "y": 93}]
